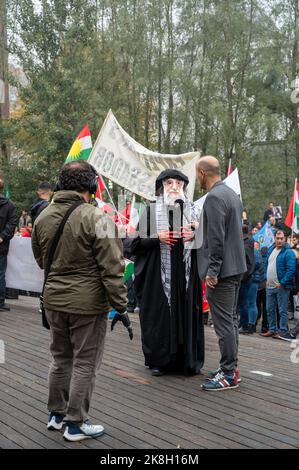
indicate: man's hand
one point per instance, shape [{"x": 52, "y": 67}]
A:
[
  {"x": 211, "y": 282},
  {"x": 124, "y": 318},
  {"x": 187, "y": 233},
  {"x": 1, "y": 240},
  {"x": 167, "y": 237}
]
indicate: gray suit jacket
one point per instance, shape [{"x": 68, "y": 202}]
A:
[{"x": 222, "y": 253}]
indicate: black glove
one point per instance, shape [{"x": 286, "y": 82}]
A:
[{"x": 124, "y": 318}]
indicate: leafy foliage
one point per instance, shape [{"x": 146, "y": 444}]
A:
[{"x": 179, "y": 75}]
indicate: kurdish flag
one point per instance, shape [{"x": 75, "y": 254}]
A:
[
  {"x": 292, "y": 219},
  {"x": 82, "y": 146}
]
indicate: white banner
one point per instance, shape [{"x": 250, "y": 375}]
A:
[
  {"x": 120, "y": 158},
  {"x": 22, "y": 270}
]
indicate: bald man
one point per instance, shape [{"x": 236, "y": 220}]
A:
[{"x": 221, "y": 263}]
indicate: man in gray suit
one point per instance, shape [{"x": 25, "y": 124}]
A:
[{"x": 221, "y": 263}]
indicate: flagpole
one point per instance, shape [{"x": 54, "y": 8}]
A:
[
  {"x": 229, "y": 167},
  {"x": 110, "y": 197},
  {"x": 131, "y": 213},
  {"x": 294, "y": 196}
]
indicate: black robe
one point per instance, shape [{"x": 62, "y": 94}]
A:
[{"x": 172, "y": 339}]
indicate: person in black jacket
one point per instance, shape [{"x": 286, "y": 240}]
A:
[
  {"x": 44, "y": 192},
  {"x": 268, "y": 212},
  {"x": 8, "y": 223}
]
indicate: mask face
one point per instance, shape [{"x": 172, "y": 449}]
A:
[{"x": 173, "y": 189}]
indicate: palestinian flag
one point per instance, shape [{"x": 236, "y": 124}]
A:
[
  {"x": 129, "y": 269},
  {"x": 82, "y": 146},
  {"x": 292, "y": 219}
]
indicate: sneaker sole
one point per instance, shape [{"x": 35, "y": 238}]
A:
[
  {"x": 81, "y": 437},
  {"x": 57, "y": 427},
  {"x": 286, "y": 339},
  {"x": 219, "y": 389}
]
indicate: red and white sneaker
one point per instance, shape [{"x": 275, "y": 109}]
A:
[{"x": 211, "y": 375}]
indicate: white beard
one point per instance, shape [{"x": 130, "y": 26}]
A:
[{"x": 170, "y": 198}]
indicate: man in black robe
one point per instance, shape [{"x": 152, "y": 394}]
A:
[{"x": 167, "y": 282}]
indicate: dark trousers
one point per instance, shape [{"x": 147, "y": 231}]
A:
[
  {"x": 262, "y": 308},
  {"x": 3, "y": 266},
  {"x": 132, "y": 298},
  {"x": 223, "y": 301},
  {"x": 295, "y": 330}
]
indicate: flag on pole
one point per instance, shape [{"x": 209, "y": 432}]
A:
[
  {"x": 292, "y": 219},
  {"x": 82, "y": 146},
  {"x": 123, "y": 216},
  {"x": 101, "y": 187},
  {"x": 134, "y": 217},
  {"x": 230, "y": 168},
  {"x": 265, "y": 236},
  {"x": 130, "y": 215}
]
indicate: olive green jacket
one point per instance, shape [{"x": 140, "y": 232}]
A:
[{"x": 86, "y": 275}]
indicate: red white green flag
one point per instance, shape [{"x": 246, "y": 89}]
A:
[
  {"x": 230, "y": 168},
  {"x": 292, "y": 219},
  {"x": 101, "y": 187},
  {"x": 82, "y": 146}
]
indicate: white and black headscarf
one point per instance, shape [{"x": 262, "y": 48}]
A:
[{"x": 162, "y": 221}]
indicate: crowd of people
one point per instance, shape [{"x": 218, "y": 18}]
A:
[
  {"x": 185, "y": 263},
  {"x": 269, "y": 288}
]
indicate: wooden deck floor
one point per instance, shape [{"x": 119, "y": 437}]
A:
[{"x": 145, "y": 412}]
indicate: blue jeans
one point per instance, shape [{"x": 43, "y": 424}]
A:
[
  {"x": 243, "y": 304},
  {"x": 3, "y": 266},
  {"x": 278, "y": 298},
  {"x": 252, "y": 306}
]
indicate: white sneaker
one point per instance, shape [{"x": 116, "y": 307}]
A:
[
  {"x": 85, "y": 431},
  {"x": 55, "y": 422}
]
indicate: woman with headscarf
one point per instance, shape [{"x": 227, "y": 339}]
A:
[{"x": 167, "y": 281}]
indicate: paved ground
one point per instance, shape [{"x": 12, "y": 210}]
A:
[{"x": 141, "y": 411}]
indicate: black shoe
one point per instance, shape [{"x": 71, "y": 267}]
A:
[
  {"x": 251, "y": 328},
  {"x": 4, "y": 307},
  {"x": 288, "y": 336},
  {"x": 244, "y": 330},
  {"x": 156, "y": 372}
]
